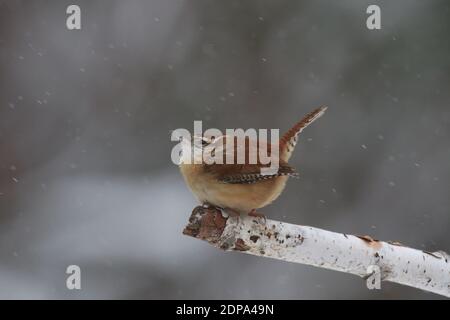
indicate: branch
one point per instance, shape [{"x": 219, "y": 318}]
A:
[{"x": 358, "y": 255}]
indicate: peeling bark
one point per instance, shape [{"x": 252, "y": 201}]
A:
[{"x": 429, "y": 271}]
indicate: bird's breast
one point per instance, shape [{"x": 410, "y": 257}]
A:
[{"x": 239, "y": 197}]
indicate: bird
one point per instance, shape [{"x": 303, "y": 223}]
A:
[{"x": 240, "y": 188}]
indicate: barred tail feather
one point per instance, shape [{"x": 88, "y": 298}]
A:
[{"x": 289, "y": 140}]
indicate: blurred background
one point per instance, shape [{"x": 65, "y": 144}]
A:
[{"x": 85, "y": 120}]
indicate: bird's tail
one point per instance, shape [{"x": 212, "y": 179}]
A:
[{"x": 289, "y": 139}]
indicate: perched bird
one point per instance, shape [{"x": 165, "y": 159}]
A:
[{"x": 242, "y": 188}]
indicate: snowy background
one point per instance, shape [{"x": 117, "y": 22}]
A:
[{"x": 85, "y": 120}]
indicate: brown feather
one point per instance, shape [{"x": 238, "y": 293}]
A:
[
  {"x": 247, "y": 173},
  {"x": 289, "y": 139}
]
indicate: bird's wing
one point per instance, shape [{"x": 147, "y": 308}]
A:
[{"x": 250, "y": 169}]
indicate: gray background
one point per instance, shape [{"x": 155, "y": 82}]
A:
[{"x": 85, "y": 120}]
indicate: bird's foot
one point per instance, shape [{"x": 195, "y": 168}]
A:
[
  {"x": 208, "y": 207},
  {"x": 223, "y": 211},
  {"x": 226, "y": 212},
  {"x": 253, "y": 213}
]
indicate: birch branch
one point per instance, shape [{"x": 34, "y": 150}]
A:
[{"x": 359, "y": 255}]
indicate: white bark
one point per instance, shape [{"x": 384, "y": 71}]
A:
[{"x": 358, "y": 255}]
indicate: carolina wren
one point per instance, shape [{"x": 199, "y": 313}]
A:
[{"x": 242, "y": 188}]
